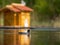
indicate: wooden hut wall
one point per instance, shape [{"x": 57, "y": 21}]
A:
[
  {"x": 8, "y": 34},
  {"x": 8, "y": 19}
]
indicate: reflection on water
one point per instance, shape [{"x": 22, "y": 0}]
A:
[
  {"x": 40, "y": 38},
  {"x": 1, "y": 37}
]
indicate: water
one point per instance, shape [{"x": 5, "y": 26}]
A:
[
  {"x": 39, "y": 38},
  {"x": 45, "y": 38}
]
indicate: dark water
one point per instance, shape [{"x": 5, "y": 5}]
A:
[{"x": 40, "y": 38}]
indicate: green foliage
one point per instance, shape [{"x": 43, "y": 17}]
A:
[{"x": 47, "y": 8}]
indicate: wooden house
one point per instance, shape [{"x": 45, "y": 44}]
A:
[{"x": 15, "y": 15}]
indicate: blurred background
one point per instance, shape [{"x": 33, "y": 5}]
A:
[{"x": 46, "y": 13}]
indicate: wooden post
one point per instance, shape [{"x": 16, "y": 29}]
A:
[{"x": 15, "y": 30}]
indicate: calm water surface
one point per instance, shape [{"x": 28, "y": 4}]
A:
[
  {"x": 40, "y": 38},
  {"x": 45, "y": 38}
]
